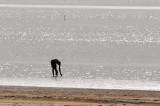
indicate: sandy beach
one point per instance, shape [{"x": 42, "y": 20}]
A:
[{"x": 33, "y": 96}]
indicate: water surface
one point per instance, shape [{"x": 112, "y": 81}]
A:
[{"x": 98, "y": 48}]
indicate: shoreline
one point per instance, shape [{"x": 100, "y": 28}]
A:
[
  {"x": 26, "y": 94},
  {"x": 79, "y": 7}
]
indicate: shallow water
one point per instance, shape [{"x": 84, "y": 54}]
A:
[
  {"x": 104, "y": 48},
  {"x": 81, "y": 76},
  {"x": 82, "y": 83}
]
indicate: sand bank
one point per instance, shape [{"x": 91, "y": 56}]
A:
[{"x": 10, "y": 95}]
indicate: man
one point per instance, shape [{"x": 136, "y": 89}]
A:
[{"x": 54, "y": 63}]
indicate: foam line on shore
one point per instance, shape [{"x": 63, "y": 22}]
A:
[{"x": 80, "y": 7}]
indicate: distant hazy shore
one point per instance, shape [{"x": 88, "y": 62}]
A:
[
  {"x": 50, "y": 95},
  {"x": 86, "y": 2}
]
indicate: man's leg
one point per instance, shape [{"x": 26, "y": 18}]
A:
[
  {"x": 53, "y": 72},
  {"x": 56, "y": 71}
]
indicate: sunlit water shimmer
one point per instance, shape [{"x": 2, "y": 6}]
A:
[{"x": 98, "y": 48}]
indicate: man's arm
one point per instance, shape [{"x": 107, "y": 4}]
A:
[{"x": 60, "y": 69}]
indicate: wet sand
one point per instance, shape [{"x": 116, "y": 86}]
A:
[{"x": 33, "y": 96}]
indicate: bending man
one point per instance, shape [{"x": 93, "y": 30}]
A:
[{"x": 54, "y": 63}]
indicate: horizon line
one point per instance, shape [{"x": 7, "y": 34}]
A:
[{"x": 80, "y": 7}]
